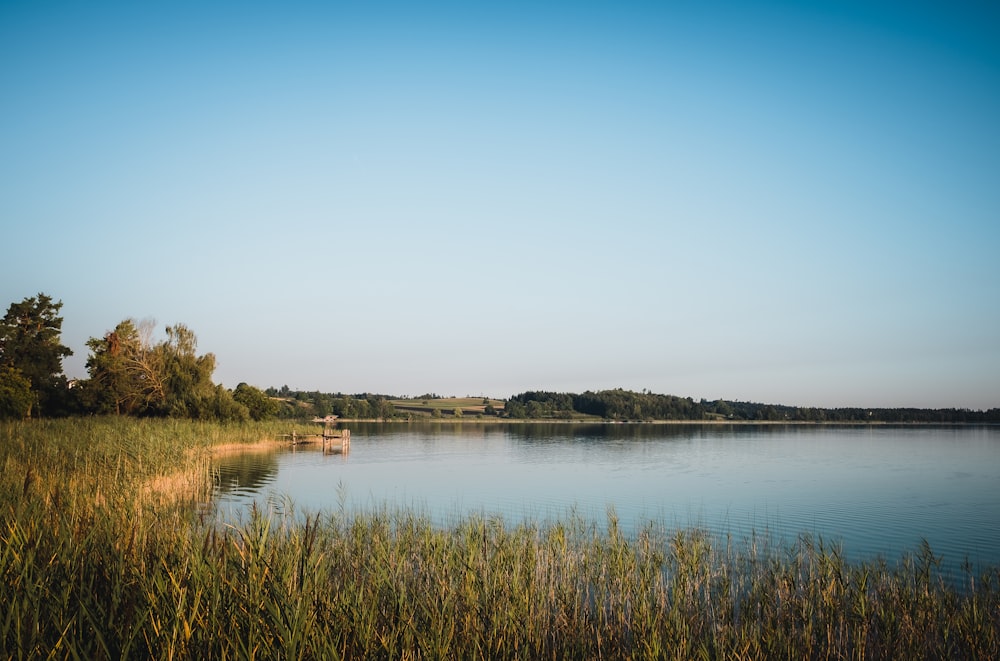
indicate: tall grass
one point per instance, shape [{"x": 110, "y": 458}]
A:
[{"x": 103, "y": 555}]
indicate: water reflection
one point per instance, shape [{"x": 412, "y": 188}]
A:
[{"x": 245, "y": 473}]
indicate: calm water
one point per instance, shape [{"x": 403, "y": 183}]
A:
[{"x": 876, "y": 490}]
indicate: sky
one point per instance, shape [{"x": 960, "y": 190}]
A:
[{"x": 778, "y": 202}]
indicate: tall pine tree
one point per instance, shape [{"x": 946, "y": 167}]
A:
[{"x": 30, "y": 343}]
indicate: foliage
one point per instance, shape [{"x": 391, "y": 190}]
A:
[
  {"x": 619, "y": 404},
  {"x": 257, "y": 403},
  {"x": 187, "y": 377},
  {"x": 304, "y": 404},
  {"x": 125, "y": 370},
  {"x": 540, "y": 404},
  {"x": 30, "y": 343},
  {"x": 129, "y": 374},
  {"x": 16, "y": 397}
]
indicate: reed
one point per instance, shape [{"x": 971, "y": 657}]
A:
[{"x": 103, "y": 554}]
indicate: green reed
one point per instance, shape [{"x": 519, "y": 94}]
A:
[{"x": 103, "y": 555}]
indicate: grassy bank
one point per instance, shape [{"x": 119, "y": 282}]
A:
[{"x": 103, "y": 554}]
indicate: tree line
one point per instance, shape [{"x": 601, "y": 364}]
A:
[
  {"x": 299, "y": 403},
  {"x": 626, "y": 405},
  {"x": 130, "y": 373}
]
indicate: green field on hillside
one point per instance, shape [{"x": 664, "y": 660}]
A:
[{"x": 447, "y": 405}]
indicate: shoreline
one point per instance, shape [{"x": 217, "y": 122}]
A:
[{"x": 601, "y": 421}]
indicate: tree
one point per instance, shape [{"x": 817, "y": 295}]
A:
[
  {"x": 515, "y": 409},
  {"x": 382, "y": 408},
  {"x": 220, "y": 405},
  {"x": 125, "y": 371},
  {"x": 30, "y": 343},
  {"x": 259, "y": 405},
  {"x": 187, "y": 377},
  {"x": 131, "y": 375},
  {"x": 16, "y": 397}
]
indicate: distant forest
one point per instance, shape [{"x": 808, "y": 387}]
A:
[
  {"x": 626, "y": 405},
  {"x": 308, "y": 403},
  {"x": 621, "y": 405}
]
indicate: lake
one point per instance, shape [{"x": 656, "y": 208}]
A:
[{"x": 876, "y": 490}]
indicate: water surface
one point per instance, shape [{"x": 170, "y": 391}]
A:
[{"x": 875, "y": 490}]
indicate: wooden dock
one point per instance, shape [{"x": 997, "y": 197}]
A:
[
  {"x": 337, "y": 442},
  {"x": 334, "y": 442}
]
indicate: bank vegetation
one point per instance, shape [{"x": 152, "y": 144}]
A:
[{"x": 109, "y": 548}]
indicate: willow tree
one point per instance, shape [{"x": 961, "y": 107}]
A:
[
  {"x": 129, "y": 374},
  {"x": 126, "y": 370},
  {"x": 187, "y": 377}
]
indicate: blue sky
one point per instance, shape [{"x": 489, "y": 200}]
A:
[{"x": 795, "y": 203}]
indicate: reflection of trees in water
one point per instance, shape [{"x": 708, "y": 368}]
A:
[
  {"x": 542, "y": 432},
  {"x": 246, "y": 471},
  {"x": 547, "y": 432},
  {"x": 467, "y": 428}
]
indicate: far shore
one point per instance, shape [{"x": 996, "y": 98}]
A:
[
  {"x": 471, "y": 419},
  {"x": 270, "y": 444}
]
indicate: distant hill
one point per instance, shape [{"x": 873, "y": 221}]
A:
[{"x": 617, "y": 404}]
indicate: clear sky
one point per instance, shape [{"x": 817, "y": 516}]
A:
[{"x": 782, "y": 202}]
